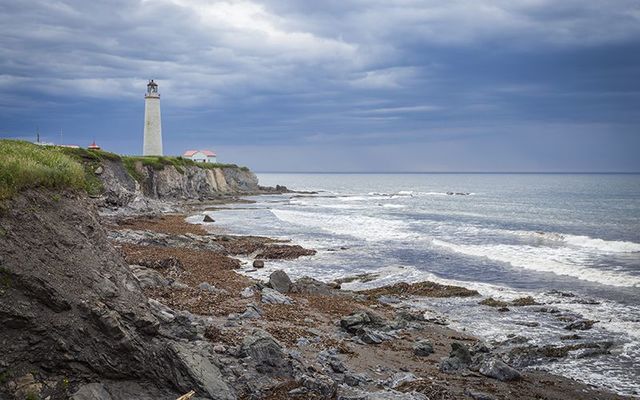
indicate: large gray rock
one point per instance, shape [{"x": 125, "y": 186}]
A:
[
  {"x": 459, "y": 358},
  {"x": 270, "y": 296},
  {"x": 497, "y": 369},
  {"x": 280, "y": 281},
  {"x": 423, "y": 348},
  {"x": 314, "y": 387},
  {"x": 91, "y": 391},
  {"x": 266, "y": 354},
  {"x": 307, "y": 285},
  {"x": 193, "y": 366}
]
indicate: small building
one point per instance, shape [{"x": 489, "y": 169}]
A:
[
  {"x": 203, "y": 156},
  {"x": 93, "y": 146}
]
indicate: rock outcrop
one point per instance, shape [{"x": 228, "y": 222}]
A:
[
  {"x": 137, "y": 186},
  {"x": 72, "y": 312}
]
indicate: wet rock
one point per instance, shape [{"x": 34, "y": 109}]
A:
[
  {"x": 423, "y": 348},
  {"x": 571, "y": 337},
  {"x": 266, "y": 353},
  {"x": 582, "y": 325},
  {"x": 526, "y": 356},
  {"x": 91, "y": 391},
  {"x": 307, "y": 285},
  {"x": 270, "y": 296},
  {"x": 258, "y": 264},
  {"x": 284, "y": 252},
  {"x": 207, "y": 218},
  {"x": 590, "y": 352},
  {"x": 280, "y": 281},
  {"x": 497, "y": 369}
]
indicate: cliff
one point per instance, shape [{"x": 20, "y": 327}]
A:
[
  {"x": 127, "y": 179},
  {"x": 71, "y": 311}
]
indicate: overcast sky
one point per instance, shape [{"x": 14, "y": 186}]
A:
[{"x": 334, "y": 85}]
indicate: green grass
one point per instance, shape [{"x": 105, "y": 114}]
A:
[{"x": 25, "y": 165}]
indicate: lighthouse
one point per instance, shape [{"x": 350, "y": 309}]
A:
[{"x": 152, "y": 125}]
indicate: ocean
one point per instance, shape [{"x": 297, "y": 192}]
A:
[{"x": 551, "y": 236}]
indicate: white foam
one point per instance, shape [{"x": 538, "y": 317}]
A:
[
  {"x": 358, "y": 226},
  {"x": 388, "y": 205},
  {"x": 560, "y": 261},
  {"x": 603, "y": 245}
]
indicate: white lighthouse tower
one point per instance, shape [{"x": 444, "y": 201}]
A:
[{"x": 152, "y": 125}]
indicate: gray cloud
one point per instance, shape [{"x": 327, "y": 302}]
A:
[{"x": 274, "y": 72}]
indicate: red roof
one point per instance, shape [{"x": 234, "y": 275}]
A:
[
  {"x": 190, "y": 153},
  {"x": 94, "y": 146}
]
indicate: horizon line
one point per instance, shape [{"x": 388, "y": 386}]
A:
[{"x": 460, "y": 172}]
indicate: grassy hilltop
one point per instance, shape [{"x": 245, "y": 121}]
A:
[{"x": 26, "y": 165}]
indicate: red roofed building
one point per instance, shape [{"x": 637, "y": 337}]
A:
[
  {"x": 205, "y": 156},
  {"x": 94, "y": 146}
]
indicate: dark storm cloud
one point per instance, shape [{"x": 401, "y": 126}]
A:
[{"x": 424, "y": 85}]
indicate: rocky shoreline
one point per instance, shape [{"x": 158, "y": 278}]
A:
[{"x": 148, "y": 306}]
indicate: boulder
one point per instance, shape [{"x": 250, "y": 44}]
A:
[
  {"x": 581, "y": 325},
  {"x": 270, "y": 296},
  {"x": 314, "y": 387},
  {"x": 423, "y": 348},
  {"x": 355, "y": 321},
  {"x": 207, "y": 218},
  {"x": 460, "y": 351},
  {"x": 196, "y": 365},
  {"x": 307, "y": 285},
  {"x": 266, "y": 353},
  {"x": 280, "y": 281},
  {"x": 497, "y": 369},
  {"x": 258, "y": 264},
  {"x": 459, "y": 358},
  {"x": 372, "y": 336}
]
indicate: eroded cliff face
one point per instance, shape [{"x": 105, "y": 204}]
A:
[
  {"x": 72, "y": 312},
  {"x": 170, "y": 182}
]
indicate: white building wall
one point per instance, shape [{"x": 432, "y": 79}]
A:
[{"x": 152, "y": 126}]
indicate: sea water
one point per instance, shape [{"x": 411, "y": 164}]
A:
[{"x": 506, "y": 235}]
